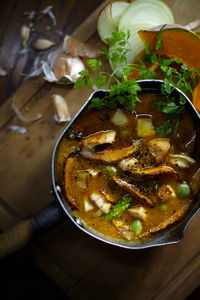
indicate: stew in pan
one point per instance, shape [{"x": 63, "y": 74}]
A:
[{"x": 122, "y": 176}]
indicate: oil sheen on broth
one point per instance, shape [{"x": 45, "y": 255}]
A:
[{"x": 123, "y": 179}]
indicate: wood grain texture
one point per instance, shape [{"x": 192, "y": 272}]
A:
[
  {"x": 69, "y": 14},
  {"x": 83, "y": 267}
]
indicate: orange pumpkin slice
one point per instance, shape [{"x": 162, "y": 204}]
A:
[{"x": 178, "y": 43}]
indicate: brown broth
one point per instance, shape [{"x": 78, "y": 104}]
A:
[{"x": 83, "y": 182}]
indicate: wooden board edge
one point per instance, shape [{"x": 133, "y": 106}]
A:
[{"x": 184, "y": 282}]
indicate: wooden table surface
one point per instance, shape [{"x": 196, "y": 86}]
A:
[
  {"x": 69, "y": 15},
  {"x": 83, "y": 267}
]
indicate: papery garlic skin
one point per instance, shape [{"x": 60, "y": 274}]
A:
[
  {"x": 62, "y": 68},
  {"x": 3, "y": 72}
]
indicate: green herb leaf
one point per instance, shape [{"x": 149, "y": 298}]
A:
[
  {"x": 80, "y": 83},
  {"x": 94, "y": 64},
  {"x": 100, "y": 81},
  {"x": 84, "y": 72},
  {"x": 90, "y": 82},
  {"x": 165, "y": 128},
  {"x": 170, "y": 108},
  {"x": 159, "y": 38}
]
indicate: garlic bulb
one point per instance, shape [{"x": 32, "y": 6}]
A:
[{"x": 62, "y": 68}]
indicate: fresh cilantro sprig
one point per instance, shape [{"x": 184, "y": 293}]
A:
[
  {"x": 90, "y": 78},
  {"x": 125, "y": 92},
  {"x": 119, "y": 46}
]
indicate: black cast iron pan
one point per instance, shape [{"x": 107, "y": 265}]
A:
[{"x": 59, "y": 211}]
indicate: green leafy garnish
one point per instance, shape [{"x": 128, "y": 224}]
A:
[
  {"x": 165, "y": 128},
  {"x": 125, "y": 92},
  {"x": 119, "y": 208},
  {"x": 159, "y": 38}
]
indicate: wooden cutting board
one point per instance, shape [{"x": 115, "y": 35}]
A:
[{"x": 82, "y": 266}]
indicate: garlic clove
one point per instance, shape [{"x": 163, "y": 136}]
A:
[
  {"x": 61, "y": 109},
  {"x": 42, "y": 44},
  {"x": 75, "y": 65},
  {"x": 25, "y": 33},
  {"x": 62, "y": 68}
]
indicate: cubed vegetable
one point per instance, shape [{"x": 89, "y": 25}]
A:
[
  {"x": 119, "y": 118},
  {"x": 145, "y": 127},
  {"x": 111, "y": 170}
]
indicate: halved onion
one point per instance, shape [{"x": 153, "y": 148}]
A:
[
  {"x": 151, "y": 11},
  {"x": 108, "y": 18}
]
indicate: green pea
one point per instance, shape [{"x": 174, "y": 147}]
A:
[
  {"x": 183, "y": 190},
  {"x": 164, "y": 207},
  {"x": 136, "y": 226},
  {"x": 111, "y": 170}
]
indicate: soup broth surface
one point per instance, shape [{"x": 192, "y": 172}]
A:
[{"x": 127, "y": 186}]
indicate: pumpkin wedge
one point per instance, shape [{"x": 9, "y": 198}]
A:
[{"x": 178, "y": 43}]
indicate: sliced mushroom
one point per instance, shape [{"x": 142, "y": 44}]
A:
[
  {"x": 101, "y": 202},
  {"x": 127, "y": 164},
  {"x": 130, "y": 188},
  {"x": 195, "y": 182},
  {"x": 154, "y": 171},
  {"x": 181, "y": 160},
  {"x": 124, "y": 230},
  {"x": 138, "y": 212},
  {"x": 158, "y": 148},
  {"x": 70, "y": 164},
  {"x": 110, "y": 156},
  {"x": 174, "y": 218},
  {"x": 107, "y": 195},
  {"x": 99, "y": 138},
  {"x": 166, "y": 192}
]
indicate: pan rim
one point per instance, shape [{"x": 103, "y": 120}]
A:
[{"x": 169, "y": 236}]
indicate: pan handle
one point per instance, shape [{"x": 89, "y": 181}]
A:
[{"x": 30, "y": 228}]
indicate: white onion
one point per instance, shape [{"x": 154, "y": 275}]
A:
[
  {"x": 135, "y": 44},
  {"x": 119, "y": 118},
  {"x": 109, "y": 17},
  {"x": 147, "y": 11}
]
